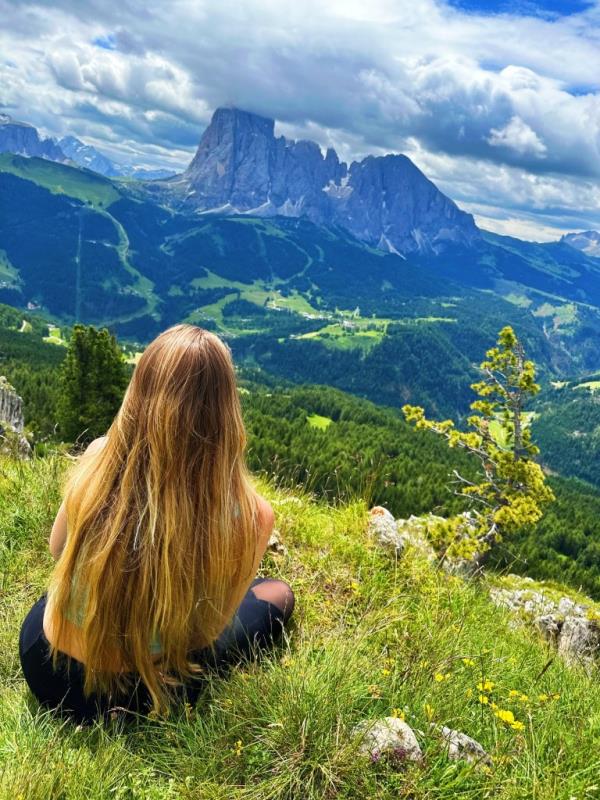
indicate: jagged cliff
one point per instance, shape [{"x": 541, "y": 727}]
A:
[
  {"x": 242, "y": 167},
  {"x": 24, "y": 140}
]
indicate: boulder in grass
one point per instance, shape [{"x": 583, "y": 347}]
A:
[
  {"x": 460, "y": 747},
  {"x": 382, "y": 526},
  {"x": 579, "y": 641},
  {"x": 275, "y": 545},
  {"x": 390, "y": 738}
]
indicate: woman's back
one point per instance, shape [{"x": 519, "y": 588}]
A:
[{"x": 156, "y": 545}]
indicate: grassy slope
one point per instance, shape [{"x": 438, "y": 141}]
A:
[
  {"x": 82, "y": 184},
  {"x": 369, "y": 637}
]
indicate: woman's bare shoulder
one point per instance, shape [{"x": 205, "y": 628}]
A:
[{"x": 95, "y": 445}]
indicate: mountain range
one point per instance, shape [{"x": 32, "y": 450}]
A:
[
  {"x": 357, "y": 275},
  {"x": 23, "y": 139}
]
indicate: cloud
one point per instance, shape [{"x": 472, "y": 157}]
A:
[
  {"x": 518, "y": 136},
  {"x": 506, "y": 103}
]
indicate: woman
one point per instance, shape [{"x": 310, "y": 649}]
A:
[{"x": 157, "y": 542}]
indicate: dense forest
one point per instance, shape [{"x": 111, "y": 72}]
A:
[{"x": 337, "y": 446}]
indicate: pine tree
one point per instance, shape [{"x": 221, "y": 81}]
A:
[
  {"x": 93, "y": 379},
  {"x": 512, "y": 490}
]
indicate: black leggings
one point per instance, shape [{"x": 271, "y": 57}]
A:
[{"x": 256, "y": 624}]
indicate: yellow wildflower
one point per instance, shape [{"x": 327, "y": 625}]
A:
[
  {"x": 505, "y": 715},
  {"x": 543, "y": 697},
  {"x": 484, "y": 699},
  {"x": 469, "y": 693},
  {"x": 485, "y": 686},
  {"x": 556, "y": 696},
  {"x": 524, "y": 698},
  {"x": 439, "y": 678},
  {"x": 398, "y": 713},
  {"x": 238, "y": 747},
  {"x": 517, "y": 725},
  {"x": 514, "y": 693},
  {"x": 468, "y": 662},
  {"x": 385, "y": 672},
  {"x": 429, "y": 711}
]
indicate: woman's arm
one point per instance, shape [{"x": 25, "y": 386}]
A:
[
  {"x": 58, "y": 534},
  {"x": 266, "y": 520}
]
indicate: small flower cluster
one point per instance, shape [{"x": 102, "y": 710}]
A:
[{"x": 237, "y": 748}]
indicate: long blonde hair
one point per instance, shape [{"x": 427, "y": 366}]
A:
[{"x": 162, "y": 520}]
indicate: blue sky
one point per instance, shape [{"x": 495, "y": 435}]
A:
[
  {"x": 544, "y": 8},
  {"x": 498, "y": 102}
]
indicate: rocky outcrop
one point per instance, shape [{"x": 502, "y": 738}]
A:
[
  {"x": 572, "y": 626},
  {"x": 24, "y": 140},
  {"x": 12, "y": 424},
  {"x": 398, "y": 534},
  {"x": 241, "y": 167}
]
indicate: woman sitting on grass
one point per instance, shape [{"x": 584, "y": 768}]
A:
[{"x": 158, "y": 541}]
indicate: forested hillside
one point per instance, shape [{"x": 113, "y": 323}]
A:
[
  {"x": 306, "y": 302},
  {"x": 341, "y": 447}
]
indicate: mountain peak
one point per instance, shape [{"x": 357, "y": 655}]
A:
[
  {"x": 241, "y": 167},
  {"x": 23, "y": 139},
  {"x": 587, "y": 242}
]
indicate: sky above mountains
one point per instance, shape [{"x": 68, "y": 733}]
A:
[{"x": 497, "y": 101}]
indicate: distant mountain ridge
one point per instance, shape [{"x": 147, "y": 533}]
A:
[
  {"x": 241, "y": 167},
  {"x": 23, "y": 139},
  {"x": 85, "y": 155},
  {"x": 587, "y": 242}
]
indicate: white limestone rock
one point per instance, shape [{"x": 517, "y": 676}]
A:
[
  {"x": 388, "y": 737},
  {"x": 460, "y": 747}
]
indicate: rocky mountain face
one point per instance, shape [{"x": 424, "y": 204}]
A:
[
  {"x": 242, "y": 167},
  {"x": 24, "y": 140},
  {"x": 87, "y": 156},
  {"x": 586, "y": 241}
]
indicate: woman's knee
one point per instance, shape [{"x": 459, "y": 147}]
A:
[{"x": 277, "y": 592}]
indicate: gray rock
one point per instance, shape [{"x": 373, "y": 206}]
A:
[
  {"x": 275, "y": 545},
  {"x": 579, "y": 640},
  {"x": 563, "y": 622},
  {"x": 549, "y": 625},
  {"x": 241, "y": 167},
  {"x": 389, "y": 737},
  {"x": 12, "y": 438},
  {"x": 382, "y": 526},
  {"x": 460, "y": 747}
]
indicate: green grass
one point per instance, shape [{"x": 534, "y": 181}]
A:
[
  {"x": 319, "y": 422},
  {"x": 60, "y": 179},
  {"x": 368, "y": 639}
]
